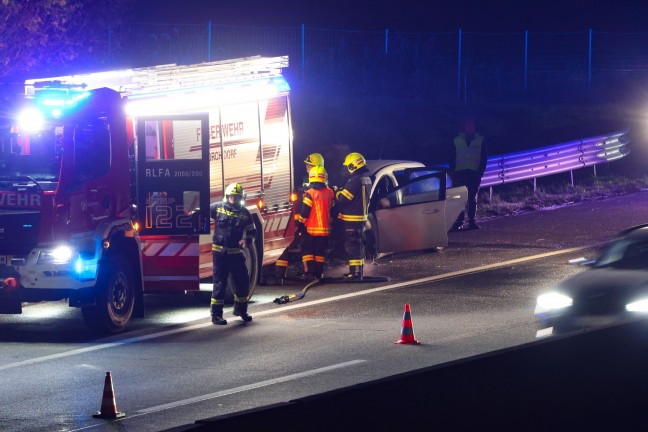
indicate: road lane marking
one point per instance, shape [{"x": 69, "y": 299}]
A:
[
  {"x": 248, "y": 387},
  {"x": 287, "y": 308},
  {"x": 231, "y": 391}
]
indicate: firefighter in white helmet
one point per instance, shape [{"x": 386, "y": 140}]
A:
[
  {"x": 234, "y": 231},
  {"x": 353, "y": 204}
]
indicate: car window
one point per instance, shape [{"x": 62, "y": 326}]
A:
[
  {"x": 401, "y": 176},
  {"x": 383, "y": 187},
  {"x": 625, "y": 254},
  {"x": 425, "y": 189}
]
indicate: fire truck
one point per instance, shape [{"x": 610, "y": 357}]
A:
[{"x": 106, "y": 181}]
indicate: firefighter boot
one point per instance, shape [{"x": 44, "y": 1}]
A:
[
  {"x": 217, "y": 315},
  {"x": 355, "y": 272},
  {"x": 240, "y": 310}
]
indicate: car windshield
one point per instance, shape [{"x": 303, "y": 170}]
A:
[
  {"x": 32, "y": 156},
  {"x": 625, "y": 254}
]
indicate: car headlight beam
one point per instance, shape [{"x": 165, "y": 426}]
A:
[
  {"x": 552, "y": 301},
  {"x": 59, "y": 255},
  {"x": 638, "y": 306}
]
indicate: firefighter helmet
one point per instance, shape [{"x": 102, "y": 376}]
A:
[
  {"x": 314, "y": 159},
  {"x": 317, "y": 174},
  {"x": 353, "y": 161},
  {"x": 234, "y": 189}
]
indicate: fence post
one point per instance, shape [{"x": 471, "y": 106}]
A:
[
  {"x": 303, "y": 49},
  {"x": 209, "y": 38},
  {"x": 459, "y": 68},
  {"x": 526, "y": 57},
  {"x": 386, "y": 42},
  {"x": 589, "y": 60}
]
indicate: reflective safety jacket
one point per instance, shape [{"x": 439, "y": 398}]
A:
[
  {"x": 353, "y": 199},
  {"x": 315, "y": 211},
  {"x": 469, "y": 155},
  {"x": 231, "y": 225}
]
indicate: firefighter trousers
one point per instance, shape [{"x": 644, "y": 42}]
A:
[
  {"x": 224, "y": 264},
  {"x": 353, "y": 244},
  {"x": 314, "y": 253}
]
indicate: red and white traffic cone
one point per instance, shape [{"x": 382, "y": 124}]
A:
[
  {"x": 407, "y": 332},
  {"x": 108, "y": 404}
]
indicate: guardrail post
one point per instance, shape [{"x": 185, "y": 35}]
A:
[
  {"x": 571, "y": 173},
  {"x": 490, "y": 193},
  {"x": 594, "y": 170},
  {"x": 534, "y": 185}
]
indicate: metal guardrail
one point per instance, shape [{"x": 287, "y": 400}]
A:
[{"x": 559, "y": 158}]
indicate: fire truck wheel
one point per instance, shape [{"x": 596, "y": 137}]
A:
[{"x": 115, "y": 298}]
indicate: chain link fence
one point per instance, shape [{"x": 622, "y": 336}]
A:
[{"x": 459, "y": 65}]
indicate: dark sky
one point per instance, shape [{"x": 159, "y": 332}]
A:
[{"x": 418, "y": 16}]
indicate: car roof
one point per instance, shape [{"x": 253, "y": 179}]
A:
[
  {"x": 375, "y": 165},
  {"x": 638, "y": 232}
]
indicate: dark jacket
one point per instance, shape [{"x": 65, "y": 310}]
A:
[
  {"x": 353, "y": 199},
  {"x": 232, "y": 224}
]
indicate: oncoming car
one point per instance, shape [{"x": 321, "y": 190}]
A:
[
  {"x": 613, "y": 288},
  {"x": 411, "y": 206}
]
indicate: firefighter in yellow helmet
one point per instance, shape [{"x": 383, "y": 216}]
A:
[
  {"x": 234, "y": 231},
  {"x": 353, "y": 203},
  {"x": 315, "y": 223},
  {"x": 281, "y": 264}
]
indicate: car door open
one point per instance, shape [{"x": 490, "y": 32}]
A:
[{"x": 412, "y": 217}]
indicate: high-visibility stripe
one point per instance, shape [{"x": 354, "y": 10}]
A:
[
  {"x": 240, "y": 299},
  {"x": 306, "y": 258},
  {"x": 302, "y": 219},
  {"x": 281, "y": 263},
  {"x": 352, "y": 218},
  {"x": 229, "y": 251},
  {"x": 320, "y": 259},
  {"x": 230, "y": 213},
  {"x": 318, "y": 231},
  {"x": 348, "y": 195},
  {"x": 217, "y": 302},
  {"x": 308, "y": 201},
  {"x": 356, "y": 262}
]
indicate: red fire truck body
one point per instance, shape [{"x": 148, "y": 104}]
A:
[{"x": 107, "y": 179}]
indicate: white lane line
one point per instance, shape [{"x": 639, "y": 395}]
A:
[
  {"x": 248, "y": 387},
  {"x": 283, "y": 309}
]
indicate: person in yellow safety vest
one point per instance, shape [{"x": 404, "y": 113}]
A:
[
  {"x": 281, "y": 264},
  {"x": 353, "y": 203},
  {"x": 234, "y": 231},
  {"x": 315, "y": 223},
  {"x": 467, "y": 164}
]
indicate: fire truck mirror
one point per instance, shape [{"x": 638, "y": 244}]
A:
[{"x": 91, "y": 150}]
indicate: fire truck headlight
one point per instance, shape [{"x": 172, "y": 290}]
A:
[
  {"x": 59, "y": 255},
  {"x": 31, "y": 120}
]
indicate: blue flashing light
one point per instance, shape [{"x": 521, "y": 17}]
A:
[
  {"x": 281, "y": 84},
  {"x": 56, "y": 103},
  {"x": 85, "y": 269}
]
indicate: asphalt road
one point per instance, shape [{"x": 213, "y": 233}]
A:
[{"x": 173, "y": 367}]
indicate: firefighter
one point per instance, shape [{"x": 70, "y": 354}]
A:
[
  {"x": 281, "y": 264},
  {"x": 468, "y": 164},
  {"x": 315, "y": 223},
  {"x": 234, "y": 231},
  {"x": 353, "y": 203}
]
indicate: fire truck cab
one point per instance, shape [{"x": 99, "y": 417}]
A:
[{"x": 107, "y": 179}]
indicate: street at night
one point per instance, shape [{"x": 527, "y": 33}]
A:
[{"x": 174, "y": 367}]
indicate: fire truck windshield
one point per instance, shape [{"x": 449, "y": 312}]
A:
[{"x": 35, "y": 156}]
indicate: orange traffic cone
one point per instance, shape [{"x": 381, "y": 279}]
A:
[
  {"x": 407, "y": 333},
  {"x": 108, "y": 404}
]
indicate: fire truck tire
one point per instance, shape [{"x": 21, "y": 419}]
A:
[{"x": 115, "y": 298}]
